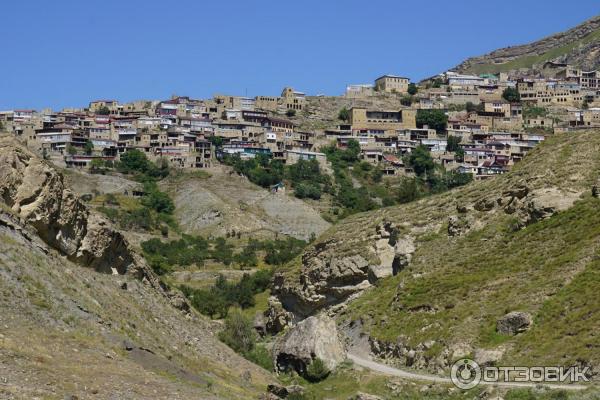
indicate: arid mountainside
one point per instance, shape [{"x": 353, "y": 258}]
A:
[
  {"x": 83, "y": 315},
  {"x": 224, "y": 201},
  {"x": 503, "y": 269},
  {"x": 579, "y": 46}
]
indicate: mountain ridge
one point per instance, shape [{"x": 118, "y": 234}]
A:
[{"x": 579, "y": 46}]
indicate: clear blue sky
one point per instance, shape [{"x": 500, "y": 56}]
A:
[{"x": 64, "y": 53}]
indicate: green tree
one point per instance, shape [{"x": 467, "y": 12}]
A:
[
  {"x": 459, "y": 154},
  {"x": 96, "y": 164},
  {"x": 103, "y": 111},
  {"x": 408, "y": 190},
  {"x": 470, "y": 107},
  {"x": 290, "y": 112},
  {"x": 133, "y": 161},
  {"x": 352, "y": 151},
  {"x": 435, "y": 119},
  {"x": 412, "y": 89},
  {"x": 344, "y": 114},
  {"x": 71, "y": 149},
  {"x": 511, "y": 95},
  {"x": 453, "y": 143},
  {"x": 420, "y": 160},
  {"x": 157, "y": 200},
  {"x": 89, "y": 147}
]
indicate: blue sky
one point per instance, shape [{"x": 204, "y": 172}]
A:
[{"x": 64, "y": 53}]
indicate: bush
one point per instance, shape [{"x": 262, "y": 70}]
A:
[
  {"x": 307, "y": 190},
  {"x": 291, "y": 112},
  {"x": 261, "y": 356},
  {"x": 344, "y": 114},
  {"x": 238, "y": 332},
  {"x": 317, "y": 370}
]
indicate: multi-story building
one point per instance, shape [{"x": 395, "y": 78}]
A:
[{"x": 392, "y": 84}]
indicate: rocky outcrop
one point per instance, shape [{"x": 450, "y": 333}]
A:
[
  {"x": 527, "y": 205},
  {"x": 404, "y": 355},
  {"x": 37, "y": 195},
  {"x": 314, "y": 337},
  {"x": 276, "y": 318},
  {"x": 513, "y": 323},
  {"x": 328, "y": 277}
]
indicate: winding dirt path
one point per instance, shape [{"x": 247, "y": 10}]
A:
[{"x": 388, "y": 370}]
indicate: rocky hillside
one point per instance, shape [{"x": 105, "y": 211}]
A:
[
  {"x": 502, "y": 269},
  {"x": 73, "y": 294},
  {"x": 579, "y": 46}
]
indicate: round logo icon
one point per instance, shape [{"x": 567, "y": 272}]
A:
[{"x": 465, "y": 374}]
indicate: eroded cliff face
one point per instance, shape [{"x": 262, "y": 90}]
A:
[
  {"x": 330, "y": 276},
  {"x": 33, "y": 191}
]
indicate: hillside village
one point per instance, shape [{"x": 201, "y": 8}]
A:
[
  {"x": 360, "y": 246},
  {"x": 480, "y": 125}
]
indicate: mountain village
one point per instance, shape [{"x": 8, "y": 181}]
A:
[{"x": 483, "y": 124}]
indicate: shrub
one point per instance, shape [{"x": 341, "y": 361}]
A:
[
  {"x": 344, "y": 114},
  {"x": 317, "y": 370},
  {"x": 291, "y": 112},
  {"x": 238, "y": 332},
  {"x": 261, "y": 356},
  {"x": 307, "y": 190}
]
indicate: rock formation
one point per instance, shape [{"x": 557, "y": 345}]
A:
[
  {"x": 314, "y": 337},
  {"x": 36, "y": 194},
  {"x": 329, "y": 278}
]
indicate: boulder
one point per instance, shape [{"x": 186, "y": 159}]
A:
[
  {"x": 486, "y": 358},
  {"x": 364, "y": 396},
  {"x": 282, "y": 392},
  {"x": 259, "y": 324},
  {"x": 513, "y": 323},
  {"x": 314, "y": 337},
  {"x": 457, "y": 226}
]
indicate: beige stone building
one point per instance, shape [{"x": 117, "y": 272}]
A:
[
  {"x": 392, "y": 84},
  {"x": 380, "y": 121},
  {"x": 292, "y": 100}
]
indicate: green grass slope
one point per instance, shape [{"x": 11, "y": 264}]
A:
[{"x": 456, "y": 288}]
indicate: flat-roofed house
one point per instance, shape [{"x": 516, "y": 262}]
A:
[{"x": 392, "y": 84}]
